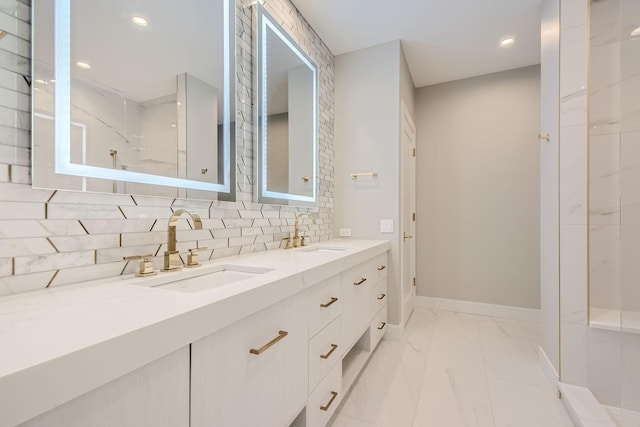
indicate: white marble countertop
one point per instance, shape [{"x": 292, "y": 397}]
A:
[{"x": 60, "y": 343}]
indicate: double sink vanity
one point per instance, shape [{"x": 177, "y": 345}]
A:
[{"x": 271, "y": 339}]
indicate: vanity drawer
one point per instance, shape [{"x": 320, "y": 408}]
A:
[
  {"x": 380, "y": 266},
  {"x": 378, "y": 327},
  {"x": 324, "y": 352},
  {"x": 356, "y": 285},
  {"x": 324, "y": 304},
  {"x": 253, "y": 372},
  {"x": 362, "y": 275},
  {"x": 379, "y": 296},
  {"x": 325, "y": 399}
]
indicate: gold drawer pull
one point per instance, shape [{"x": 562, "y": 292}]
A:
[
  {"x": 325, "y": 305},
  {"x": 382, "y": 267},
  {"x": 382, "y": 325},
  {"x": 333, "y": 348},
  {"x": 268, "y": 345},
  {"x": 382, "y": 296},
  {"x": 364, "y": 279},
  {"x": 333, "y": 397}
]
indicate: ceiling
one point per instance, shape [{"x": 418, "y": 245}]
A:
[{"x": 443, "y": 40}]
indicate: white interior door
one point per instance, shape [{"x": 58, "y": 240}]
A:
[{"x": 407, "y": 211}]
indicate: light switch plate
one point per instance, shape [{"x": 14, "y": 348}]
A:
[
  {"x": 386, "y": 226},
  {"x": 345, "y": 232}
]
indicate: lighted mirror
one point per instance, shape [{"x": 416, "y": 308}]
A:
[
  {"x": 134, "y": 97},
  {"x": 286, "y": 110}
]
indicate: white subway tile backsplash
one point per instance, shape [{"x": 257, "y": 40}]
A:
[
  {"x": 21, "y": 210},
  {"x": 67, "y": 197},
  {"x": 21, "y": 247},
  {"x": 77, "y": 211},
  {"x": 105, "y": 256},
  {"x": 20, "y": 174},
  {"x": 93, "y": 232},
  {"x": 89, "y": 272},
  {"x": 23, "y": 193},
  {"x": 106, "y": 226},
  {"x": 241, "y": 241},
  {"x": 85, "y": 242},
  {"x": 26, "y": 282},
  {"x": 6, "y": 267},
  {"x": 41, "y": 263}
]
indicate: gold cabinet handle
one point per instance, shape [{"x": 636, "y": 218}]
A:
[
  {"x": 268, "y": 345},
  {"x": 327, "y": 304},
  {"x": 381, "y": 296},
  {"x": 306, "y": 178},
  {"x": 405, "y": 236},
  {"x": 333, "y": 397},
  {"x": 362, "y": 280},
  {"x": 382, "y": 325},
  {"x": 333, "y": 348},
  {"x": 546, "y": 137},
  {"x": 382, "y": 267}
]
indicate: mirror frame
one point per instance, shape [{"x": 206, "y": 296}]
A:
[
  {"x": 265, "y": 22},
  {"x": 62, "y": 116}
]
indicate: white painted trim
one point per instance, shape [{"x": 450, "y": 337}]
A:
[
  {"x": 548, "y": 370},
  {"x": 516, "y": 313},
  {"x": 582, "y": 406}
]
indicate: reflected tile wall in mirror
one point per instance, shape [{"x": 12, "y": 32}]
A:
[{"x": 53, "y": 238}]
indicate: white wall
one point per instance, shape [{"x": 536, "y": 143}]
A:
[
  {"x": 367, "y": 116},
  {"x": 478, "y": 189}
]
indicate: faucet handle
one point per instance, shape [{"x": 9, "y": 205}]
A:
[
  {"x": 145, "y": 268},
  {"x": 192, "y": 258},
  {"x": 287, "y": 241},
  {"x": 302, "y": 240}
]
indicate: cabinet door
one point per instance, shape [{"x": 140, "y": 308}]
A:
[
  {"x": 155, "y": 395},
  {"x": 232, "y": 386},
  {"x": 356, "y": 308}
]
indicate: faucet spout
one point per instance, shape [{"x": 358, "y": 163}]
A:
[{"x": 172, "y": 261}]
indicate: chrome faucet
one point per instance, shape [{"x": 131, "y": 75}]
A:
[
  {"x": 172, "y": 261},
  {"x": 297, "y": 239}
]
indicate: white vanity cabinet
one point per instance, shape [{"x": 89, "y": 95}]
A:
[
  {"x": 155, "y": 395},
  {"x": 253, "y": 372},
  {"x": 356, "y": 284}
]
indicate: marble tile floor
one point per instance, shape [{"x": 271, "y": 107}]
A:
[{"x": 454, "y": 369}]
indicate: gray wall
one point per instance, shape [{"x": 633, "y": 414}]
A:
[
  {"x": 368, "y": 87},
  {"x": 478, "y": 189}
]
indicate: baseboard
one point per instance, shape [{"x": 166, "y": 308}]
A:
[
  {"x": 582, "y": 407},
  {"x": 509, "y": 312},
  {"x": 548, "y": 369}
]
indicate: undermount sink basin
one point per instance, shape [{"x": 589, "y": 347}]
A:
[
  {"x": 221, "y": 275},
  {"x": 324, "y": 248}
]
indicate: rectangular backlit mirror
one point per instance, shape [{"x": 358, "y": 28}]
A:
[
  {"x": 286, "y": 110},
  {"x": 134, "y": 97}
]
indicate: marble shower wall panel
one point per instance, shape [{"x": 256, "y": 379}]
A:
[
  {"x": 574, "y": 43},
  {"x": 54, "y": 238}
]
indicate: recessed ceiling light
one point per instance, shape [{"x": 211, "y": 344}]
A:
[
  {"x": 173, "y": 125},
  {"x": 139, "y": 21},
  {"x": 40, "y": 81},
  {"x": 52, "y": 81},
  {"x": 84, "y": 65},
  {"x": 636, "y": 32},
  {"x": 507, "y": 42}
]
